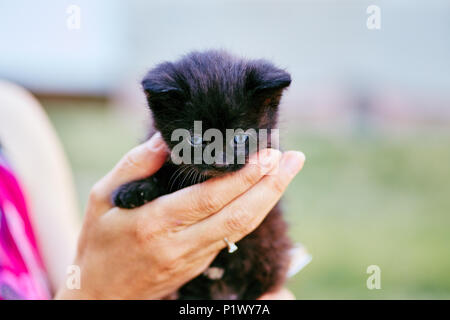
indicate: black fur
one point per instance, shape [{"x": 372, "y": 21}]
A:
[{"x": 223, "y": 92}]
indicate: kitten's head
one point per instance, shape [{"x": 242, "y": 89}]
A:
[{"x": 221, "y": 91}]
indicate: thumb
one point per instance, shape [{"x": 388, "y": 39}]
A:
[{"x": 140, "y": 162}]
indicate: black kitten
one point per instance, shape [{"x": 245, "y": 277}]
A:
[{"x": 224, "y": 92}]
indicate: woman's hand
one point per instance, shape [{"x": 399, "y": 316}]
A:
[{"x": 151, "y": 251}]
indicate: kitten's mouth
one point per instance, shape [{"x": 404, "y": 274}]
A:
[
  {"x": 205, "y": 171},
  {"x": 211, "y": 171}
]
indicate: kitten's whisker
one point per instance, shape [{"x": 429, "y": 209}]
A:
[
  {"x": 173, "y": 177},
  {"x": 180, "y": 173},
  {"x": 201, "y": 177},
  {"x": 191, "y": 176},
  {"x": 197, "y": 175},
  {"x": 181, "y": 182},
  {"x": 185, "y": 177},
  {"x": 195, "y": 180}
]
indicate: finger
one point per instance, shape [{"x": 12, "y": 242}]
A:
[
  {"x": 197, "y": 202},
  {"x": 142, "y": 161},
  {"x": 243, "y": 215}
]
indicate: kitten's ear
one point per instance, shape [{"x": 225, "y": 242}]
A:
[
  {"x": 155, "y": 90},
  {"x": 266, "y": 83},
  {"x": 267, "y": 78}
]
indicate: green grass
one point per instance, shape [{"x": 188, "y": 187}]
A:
[{"x": 376, "y": 199}]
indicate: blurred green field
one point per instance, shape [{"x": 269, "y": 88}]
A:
[{"x": 359, "y": 201}]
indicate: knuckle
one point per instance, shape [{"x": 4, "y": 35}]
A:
[
  {"x": 277, "y": 184},
  {"x": 251, "y": 177},
  {"x": 166, "y": 269},
  {"x": 129, "y": 161},
  {"x": 209, "y": 204},
  {"x": 171, "y": 268},
  {"x": 238, "y": 222},
  {"x": 134, "y": 158}
]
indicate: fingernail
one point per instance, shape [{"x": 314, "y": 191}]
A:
[
  {"x": 156, "y": 141},
  {"x": 293, "y": 162}
]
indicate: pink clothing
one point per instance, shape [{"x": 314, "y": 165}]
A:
[{"x": 22, "y": 273}]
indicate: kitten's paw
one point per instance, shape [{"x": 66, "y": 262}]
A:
[{"x": 135, "y": 194}]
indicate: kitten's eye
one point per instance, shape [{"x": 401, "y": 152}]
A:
[
  {"x": 196, "y": 141},
  {"x": 240, "y": 138}
]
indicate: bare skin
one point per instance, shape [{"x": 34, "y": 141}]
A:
[{"x": 151, "y": 251}]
